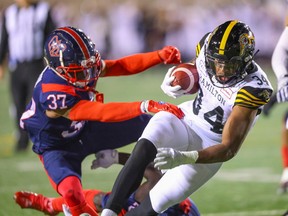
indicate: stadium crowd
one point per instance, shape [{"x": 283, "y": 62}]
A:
[{"x": 120, "y": 28}]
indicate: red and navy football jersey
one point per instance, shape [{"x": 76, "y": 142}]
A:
[{"x": 52, "y": 92}]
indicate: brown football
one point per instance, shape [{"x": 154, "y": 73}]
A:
[{"x": 186, "y": 75}]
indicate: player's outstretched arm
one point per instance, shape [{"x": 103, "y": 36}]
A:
[
  {"x": 234, "y": 133},
  {"x": 114, "y": 111},
  {"x": 140, "y": 62}
]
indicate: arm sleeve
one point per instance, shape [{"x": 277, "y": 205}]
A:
[
  {"x": 252, "y": 98},
  {"x": 280, "y": 59},
  {"x": 131, "y": 64},
  {"x": 110, "y": 112}
]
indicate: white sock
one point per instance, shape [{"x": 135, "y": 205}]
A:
[
  {"x": 108, "y": 212},
  {"x": 284, "y": 177}
]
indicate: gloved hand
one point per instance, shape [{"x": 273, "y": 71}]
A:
[
  {"x": 170, "y": 55},
  {"x": 105, "y": 158},
  {"x": 168, "y": 158},
  {"x": 172, "y": 91},
  {"x": 150, "y": 106},
  {"x": 282, "y": 94}
]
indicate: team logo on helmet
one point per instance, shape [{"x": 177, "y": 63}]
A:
[
  {"x": 55, "y": 46},
  {"x": 246, "y": 42}
]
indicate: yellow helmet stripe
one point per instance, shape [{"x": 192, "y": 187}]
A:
[
  {"x": 226, "y": 35},
  {"x": 198, "y": 48}
]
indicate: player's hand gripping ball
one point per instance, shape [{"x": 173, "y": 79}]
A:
[{"x": 186, "y": 76}]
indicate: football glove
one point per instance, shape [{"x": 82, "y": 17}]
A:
[
  {"x": 170, "y": 55},
  {"x": 282, "y": 94},
  {"x": 150, "y": 106},
  {"x": 172, "y": 91},
  {"x": 168, "y": 158},
  {"x": 105, "y": 158}
]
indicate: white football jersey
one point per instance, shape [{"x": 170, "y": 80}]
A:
[
  {"x": 213, "y": 105},
  {"x": 279, "y": 59}
]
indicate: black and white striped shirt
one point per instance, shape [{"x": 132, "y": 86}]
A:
[{"x": 24, "y": 30}]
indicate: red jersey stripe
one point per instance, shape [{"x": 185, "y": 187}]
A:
[
  {"x": 60, "y": 88},
  {"x": 78, "y": 40}
]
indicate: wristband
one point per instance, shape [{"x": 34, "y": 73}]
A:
[
  {"x": 190, "y": 156},
  {"x": 144, "y": 106}
]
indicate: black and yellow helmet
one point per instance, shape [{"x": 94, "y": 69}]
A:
[{"x": 231, "y": 47}]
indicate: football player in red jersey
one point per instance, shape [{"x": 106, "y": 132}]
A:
[
  {"x": 233, "y": 90},
  {"x": 66, "y": 118},
  {"x": 97, "y": 198}
]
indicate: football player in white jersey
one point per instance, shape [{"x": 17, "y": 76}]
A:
[
  {"x": 280, "y": 68},
  {"x": 233, "y": 91}
]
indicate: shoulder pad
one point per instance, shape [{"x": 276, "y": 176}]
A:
[
  {"x": 201, "y": 43},
  {"x": 253, "y": 98}
]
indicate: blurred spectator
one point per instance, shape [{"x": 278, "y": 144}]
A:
[
  {"x": 123, "y": 24},
  {"x": 98, "y": 29},
  {"x": 138, "y": 26},
  {"x": 153, "y": 26},
  {"x": 25, "y": 25}
]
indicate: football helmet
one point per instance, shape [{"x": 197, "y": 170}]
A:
[
  {"x": 72, "y": 55},
  {"x": 228, "y": 53}
]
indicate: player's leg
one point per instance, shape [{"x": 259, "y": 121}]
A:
[
  {"x": 70, "y": 189},
  {"x": 18, "y": 90},
  {"x": 54, "y": 205},
  {"x": 64, "y": 172},
  {"x": 131, "y": 175},
  {"x": 35, "y": 201},
  {"x": 24, "y": 77},
  {"x": 163, "y": 129},
  {"x": 111, "y": 135},
  {"x": 152, "y": 176},
  {"x": 176, "y": 185},
  {"x": 284, "y": 150}
]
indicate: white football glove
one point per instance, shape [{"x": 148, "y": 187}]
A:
[
  {"x": 172, "y": 91},
  {"x": 168, "y": 158},
  {"x": 282, "y": 94},
  {"x": 105, "y": 158}
]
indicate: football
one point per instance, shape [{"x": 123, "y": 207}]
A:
[{"x": 186, "y": 75}]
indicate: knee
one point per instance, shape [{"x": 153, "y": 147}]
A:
[
  {"x": 73, "y": 197},
  {"x": 71, "y": 190},
  {"x": 144, "y": 148}
]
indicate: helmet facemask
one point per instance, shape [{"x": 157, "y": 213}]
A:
[
  {"x": 83, "y": 73},
  {"x": 225, "y": 73}
]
